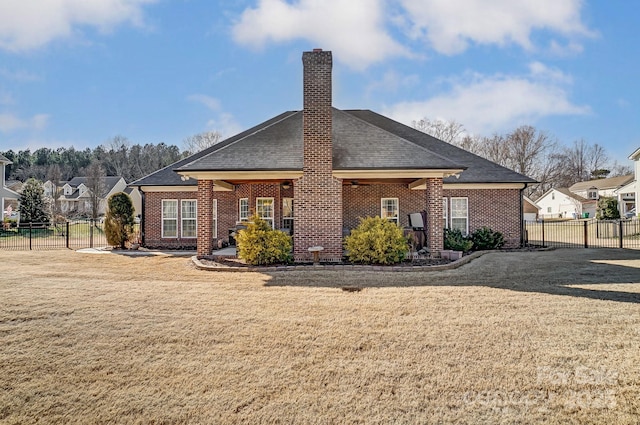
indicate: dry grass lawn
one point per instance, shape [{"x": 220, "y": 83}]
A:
[{"x": 543, "y": 337}]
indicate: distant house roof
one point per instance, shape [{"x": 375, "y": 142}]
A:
[
  {"x": 570, "y": 194},
  {"x": 108, "y": 183},
  {"x": 602, "y": 184},
  {"x": 5, "y": 159},
  {"x": 362, "y": 140},
  {"x": 635, "y": 155}
]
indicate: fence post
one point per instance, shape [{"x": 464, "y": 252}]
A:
[
  {"x": 621, "y": 239},
  {"x": 30, "y": 234},
  {"x": 543, "y": 232},
  {"x": 91, "y": 233},
  {"x": 586, "y": 234},
  {"x": 67, "y": 233}
]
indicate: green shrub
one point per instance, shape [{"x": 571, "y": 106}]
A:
[
  {"x": 485, "y": 238},
  {"x": 259, "y": 244},
  {"x": 607, "y": 209},
  {"x": 118, "y": 223},
  {"x": 455, "y": 240},
  {"x": 376, "y": 241}
]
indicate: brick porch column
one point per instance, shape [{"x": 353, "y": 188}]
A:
[
  {"x": 435, "y": 228},
  {"x": 205, "y": 217}
]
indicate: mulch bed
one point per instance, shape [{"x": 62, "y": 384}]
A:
[{"x": 236, "y": 262}]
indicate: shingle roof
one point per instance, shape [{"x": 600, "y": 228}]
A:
[
  {"x": 108, "y": 182},
  {"x": 570, "y": 194},
  {"x": 601, "y": 184},
  {"x": 357, "y": 144},
  {"x": 479, "y": 170},
  {"x": 362, "y": 139}
]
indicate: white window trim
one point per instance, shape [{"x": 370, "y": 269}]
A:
[
  {"x": 466, "y": 217},
  {"x": 395, "y": 219},
  {"x": 273, "y": 210},
  {"x": 445, "y": 212},
  {"x": 240, "y": 218},
  {"x": 182, "y": 219},
  {"x": 214, "y": 224},
  {"x": 163, "y": 219}
]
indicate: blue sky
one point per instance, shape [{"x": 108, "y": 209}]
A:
[{"x": 77, "y": 72}]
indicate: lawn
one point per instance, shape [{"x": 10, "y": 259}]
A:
[{"x": 527, "y": 337}]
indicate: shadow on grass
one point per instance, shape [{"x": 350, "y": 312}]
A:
[{"x": 551, "y": 272}]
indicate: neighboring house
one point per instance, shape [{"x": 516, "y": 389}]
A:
[
  {"x": 562, "y": 203},
  {"x": 7, "y": 196},
  {"x": 594, "y": 189},
  {"x": 75, "y": 196},
  {"x": 529, "y": 209},
  {"x": 634, "y": 187},
  {"x": 316, "y": 171}
]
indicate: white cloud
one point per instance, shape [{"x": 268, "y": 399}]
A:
[
  {"x": 450, "y": 26},
  {"x": 392, "y": 81},
  {"x": 210, "y": 102},
  {"x": 29, "y": 24},
  {"x": 19, "y": 76},
  {"x": 354, "y": 30},
  {"x": 225, "y": 124},
  {"x": 485, "y": 104},
  {"x": 10, "y": 123}
]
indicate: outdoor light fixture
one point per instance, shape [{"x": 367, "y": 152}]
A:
[
  {"x": 354, "y": 184},
  {"x": 286, "y": 185}
]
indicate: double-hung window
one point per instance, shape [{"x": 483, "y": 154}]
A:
[
  {"x": 264, "y": 209},
  {"x": 243, "y": 214},
  {"x": 460, "y": 214},
  {"x": 189, "y": 218},
  {"x": 389, "y": 209},
  {"x": 287, "y": 213},
  {"x": 169, "y": 218}
]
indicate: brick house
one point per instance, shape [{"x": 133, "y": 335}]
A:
[{"x": 318, "y": 170}]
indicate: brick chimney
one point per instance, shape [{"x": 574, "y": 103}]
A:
[{"x": 317, "y": 195}]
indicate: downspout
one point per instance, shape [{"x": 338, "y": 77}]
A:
[
  {"x": 522, "y": 229},
  {"x": 142, "y": 216}
]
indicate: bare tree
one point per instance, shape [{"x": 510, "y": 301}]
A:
[
  {"x": 448, "y": 131},
  {"x": 115, "y": 156},
  {"x": 201, "y": 141},
  {"x": 96, "y": 186}
]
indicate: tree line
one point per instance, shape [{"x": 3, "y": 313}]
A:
[
  {"x": 533, "y": 153},
  {"x": 116, "y": 157}
]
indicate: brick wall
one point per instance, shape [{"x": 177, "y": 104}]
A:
[
  {"x": 498, "y": 209},
  {"x": 364, "y": 201},
  {"x": 153, "y": 221},
  {"x": 317, "y": 194},
  {"x": 205, "y": 217}
]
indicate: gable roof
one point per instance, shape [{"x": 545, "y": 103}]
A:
[
  {"x": 4, "y": 159},
  {"x": 602, "y": 184},
  {"x": 362, "y": 140},
  {"x": 108, "y": 183}
]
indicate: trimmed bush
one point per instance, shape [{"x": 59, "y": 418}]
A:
[
  {"x": 259, "y": 244},
  {"x": 118, "y": 223},
  {"x": 455, "y": 240},
  {"x": 485, "y": 238},
  {"x": 376, "y": 241}
]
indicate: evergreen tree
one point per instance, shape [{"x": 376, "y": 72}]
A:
[
  {"x": 607, "y": 209},
  {"x": 119, "y": 220},
  {"x": 33, "y": 208}
]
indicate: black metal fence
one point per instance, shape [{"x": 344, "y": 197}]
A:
[
  {"x": 73, "y": 234},
  {"x": 589, "y": 233}
]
